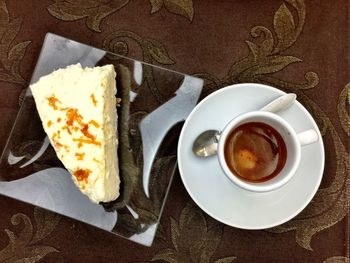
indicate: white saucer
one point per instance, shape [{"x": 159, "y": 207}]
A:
[{"x": 215, "y": 194}]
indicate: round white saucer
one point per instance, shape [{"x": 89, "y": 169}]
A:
[{"x": 220, "y": 198}]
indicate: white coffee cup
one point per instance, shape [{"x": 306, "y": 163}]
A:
[{"x": 293, "y": 142}]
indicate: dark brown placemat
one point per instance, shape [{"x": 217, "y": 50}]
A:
[{"x": 293, "y": 45}]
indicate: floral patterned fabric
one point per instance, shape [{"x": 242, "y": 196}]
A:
[{"x": 297, "y": 46}]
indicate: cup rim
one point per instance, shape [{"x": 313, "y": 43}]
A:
[{"x": 264, "y": 186}]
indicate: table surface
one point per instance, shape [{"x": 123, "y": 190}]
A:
[{"x": 296, "y": 46}]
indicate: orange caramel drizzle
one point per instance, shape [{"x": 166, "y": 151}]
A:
[
  {"x": 94, "y": 101},
  {"x": 80, "y": 156},
  {"x": 57, "y": 143},
  {"x": 94, "y": 123},
  {"x": 67, "y": 128},
  {"x": 52, "y": 102},
  {"x": 72, "y": 117},
  {"x": 85, "y": 131},
  {"x": 82, "y": 140},
  {"x": 82, "y": 175}
]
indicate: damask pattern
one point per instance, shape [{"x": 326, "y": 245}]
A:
[
  {"x": 10, "y": 54},
  {"x": 193, "y": 236},
  {"x": 183, "y": 7},
  {"x": 96, "y": 10},
  {"x": 338, "y": 259},
  {"x": 25, "y": 245}
]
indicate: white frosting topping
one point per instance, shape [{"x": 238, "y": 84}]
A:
[{"x": 77, "y": 108}]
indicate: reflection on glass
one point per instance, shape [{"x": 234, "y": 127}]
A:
[{"x": 31, "y": 172}]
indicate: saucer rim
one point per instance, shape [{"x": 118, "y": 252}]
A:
[{"x": 312, "y": 192}]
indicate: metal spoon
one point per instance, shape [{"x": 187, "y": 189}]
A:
[{"x": 206, "y": 143}]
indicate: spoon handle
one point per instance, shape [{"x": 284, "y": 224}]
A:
[{"x": 280, "y": 103}]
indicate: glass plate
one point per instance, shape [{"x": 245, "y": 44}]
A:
[{"x": 154, "y": 101}]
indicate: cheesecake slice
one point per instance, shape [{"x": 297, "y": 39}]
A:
[{"x": 77, "y": 108}]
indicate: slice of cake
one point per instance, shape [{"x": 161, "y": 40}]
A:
[{"x": 77, "y": 108}]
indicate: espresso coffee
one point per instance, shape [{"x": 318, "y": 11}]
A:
[{"x": 255, "y": 152}]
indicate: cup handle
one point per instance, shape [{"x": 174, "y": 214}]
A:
[{"x": 307, "y": 137}]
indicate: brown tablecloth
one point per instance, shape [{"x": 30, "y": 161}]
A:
[{"x": 297, "y": 46}]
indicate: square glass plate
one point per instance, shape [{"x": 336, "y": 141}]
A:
[{"x": 153, "y": 103}]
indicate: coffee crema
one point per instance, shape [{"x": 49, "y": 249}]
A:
[{"x": 255, "y": 152}]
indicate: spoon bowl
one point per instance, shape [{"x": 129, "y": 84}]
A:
[{"x": 206, "y": 143}]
